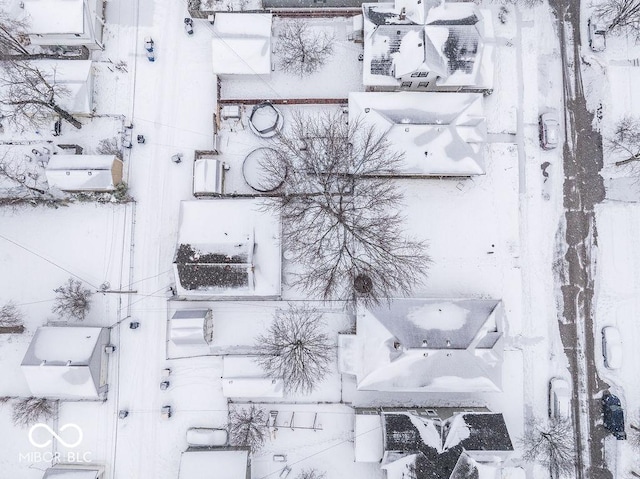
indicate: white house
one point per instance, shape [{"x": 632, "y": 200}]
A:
[
  {"x": 242, "y": 44},
  {"x": 427, "y": 45},
  {"x": 227, "y": 248},
  {"x": 63, "y": 22},
  {"x": 243, "y": 377},
  {"x": 75, "y": 79},
  {"x": 426, "y": 345},
  {"x": 464, "y": 444},
  {"x": 222, "y": 463},
  {"x": 84, "y": 172},
  {"x": 67, "y": 363},
  {"x": 440, "y": 134}
]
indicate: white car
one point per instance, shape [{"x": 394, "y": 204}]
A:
[
  {"x": 549, "y": 130},
  {"x": 597, "y": 36},
  {"x": 611, "y": 347},
  {"x": 559, "y": 398},
  {"x": 206, "y": 437}
]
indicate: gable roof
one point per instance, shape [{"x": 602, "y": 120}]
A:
[
  {"x": 214, "y": 464},
  {"x": 54, "y": 16},
  {"x": 83, "y": 172},
  {"x": 442, "y": 450},
  {"x": 426, "y": 346},
  {"x": 431, "y": 37},
  {"x": 227, "y": 247},
  {"x": 74, "y": 76},
  {"x": 441, "y": 134},
  {"x": 242, "y": 44}
]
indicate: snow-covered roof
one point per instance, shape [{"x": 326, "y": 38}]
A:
[
  {"x": 207, "y": 176},
  {"x": 74, "y": 76},
  {"x": 62, "y": 473},
  {"x": 54, "y": 16},
  {"x": 427, "y": 346},
  {"x": 217, "y": 464},
  {"x": 444, "y": 39},
  {"x": 57, "y": 362},
  {"x": 242, "y": 44},
  {"x": 243, "y": 377},
  {"x": 191, "y": 327},
  {"x": 83, "y": 172},
  {"x": 227, "y": 247},
  {"x": 368, "y": 438},
  {"x": 441, "y": 134}
]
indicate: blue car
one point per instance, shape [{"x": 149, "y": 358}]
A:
[{"x": 613, "y": 415}]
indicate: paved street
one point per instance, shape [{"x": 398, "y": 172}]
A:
[{"x": 583, "y": 189}]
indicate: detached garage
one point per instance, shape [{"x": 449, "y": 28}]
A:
[
  {"x": 192, "y": 327},
  {"x": 76, "y": 173}
]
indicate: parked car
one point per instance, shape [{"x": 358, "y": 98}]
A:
[
  {"x": 597, "y": 36},
  {"x": 206, "y": 437},
  {"x": 611, "y": 347},
  {"x": 613, "y": 415},
  {"x": 559, "y": 398},
  {"x": 549, "y": 130}
]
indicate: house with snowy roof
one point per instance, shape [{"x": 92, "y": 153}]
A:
[
  {"x": 427, "y": 45},
  {"x": 466, "y": 444},
  {"x": 241, "y": 44},
  {"x": 62, "y": 22},
  {"x": 73, "y": 80},
  {"x": 227, "y": 248},
  {"x": 426, "y": 345},
  {"x": 440, "y": 134},
  {"x": 67, "y": 363},
  {"x": 84, "y": 172}
]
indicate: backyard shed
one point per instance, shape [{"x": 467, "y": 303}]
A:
[
  {"x": 192, "y": 327},
  {"x": 75, "y": 78},
  {"x": 67, "y": 363},
  {"x": 84, "y": 172},
  {"x": 221, "y": 463},
  {"x": 243, "y": 377},
  {"x": 208, "y": 177}
]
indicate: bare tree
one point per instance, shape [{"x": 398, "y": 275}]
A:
[
  {"x": 247, "y": 427},
  {"x": 73, "y": 300},
  {"x": 302, "y": 51},
  {"x": 550, "y": 445},
  {"x": 13, "y": 38},
  {"x": 296, "y": 348},
  {"x": 109, "y": 146},
  {"x": 620, "y": 16},
  {"x": 11, "y": 318},
  {"x": 311, "y": 474},
  {"x": 624, "y": 140},
  {"x": 27, "y": 411},
  {"x": 30, "y": 96},
  {"x": 341, "y": 211}
]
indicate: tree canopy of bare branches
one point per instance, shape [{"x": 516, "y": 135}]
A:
[
  {"x": 28, "y": 411},
  {"x": 341, "y": 211},
  {"x": 248, "y": 427},
  {"x": 11, "y": 318},
  {"x": 624, "y": 140},
  {"x": 30, "y": 96},
  {"x": 296, "y": 348},
  {"x": 12, "y": 36},
  {"x": 302, "y": 51},
  {"x": 551, "y": 445},
  {"x": 620, "y": 16},
  {"x": 72, "y": 300}
]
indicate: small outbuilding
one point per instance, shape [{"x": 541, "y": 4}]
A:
[
  {"x": 72, "y": 471},
  {"x": 74, "y": 78},
  {"x": 192, "y": 327},
  {"x": 208, "y": 177},
  {"x": 219, "y": 463},
  {"x": 67, "y": 363},
  {"x": 84, "y": 172},
  {"x": 243, "y": 377}
]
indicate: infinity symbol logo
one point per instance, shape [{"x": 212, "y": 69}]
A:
[{"x": 48, "y": 442}]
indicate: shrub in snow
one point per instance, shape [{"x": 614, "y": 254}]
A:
[
  {"x": 295, "y": 348},
  {"x": 311, "y": 474},
  {"x": 247, "y": 427},
  {"x": 341, "y": 210},
  {"x": 10, "y": 316},
  {"x": 109, "y": 146},
  {"x": 72, "y": 300},
  {"x": 300, "y": 50},
  {"x": 28, "y": 411}
]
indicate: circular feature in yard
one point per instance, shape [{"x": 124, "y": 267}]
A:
[
  {"x": 263, "y": 170},
  {"x": 265, "y": 120},
  {"x": 363, "y": 284}
]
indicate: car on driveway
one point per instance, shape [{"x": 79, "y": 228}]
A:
[
  {"x": 559, "y": 398},
  {"x": 613, "y": 415},
  {"x": 597, "y": 36},
  {"x": 611, "y": 347},
  {"x": 549, "y": 130}
]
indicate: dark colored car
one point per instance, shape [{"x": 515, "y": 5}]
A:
[{"x": 613, "y": 415}]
